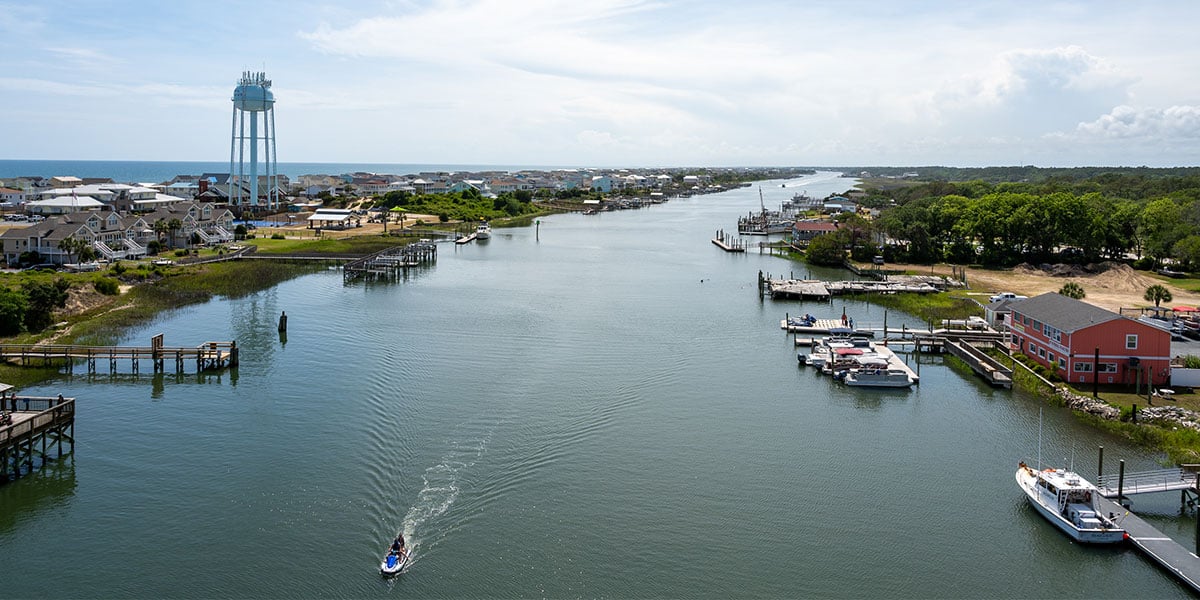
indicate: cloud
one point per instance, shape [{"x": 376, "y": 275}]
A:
[{"x": 1126, "y": 122}]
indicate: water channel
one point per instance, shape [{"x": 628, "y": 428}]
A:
[{"x": 601, "y": 406}]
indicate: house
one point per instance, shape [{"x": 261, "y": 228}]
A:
[
  {"x": 998, "y": 314},
  {"x": 111, "y": 235},
  {"x": 15, "y": 197},
  {"x": 1080, "y": 341},
  {"x": 806, "y": 230}
]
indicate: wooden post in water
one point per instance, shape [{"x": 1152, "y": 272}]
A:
[
  {"x": 1100, "y": 466},
  {"x": 283, "y": 322}
]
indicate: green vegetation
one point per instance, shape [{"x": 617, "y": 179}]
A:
[
  {"x": 1072, "y": 290},
  {"x": 1006, "y": 215},
  {"x": 929, "y": 307},
  {"x": 1157, "y": 294},
  {"x": 356, "y": 245},
  {"x": 467, "y": 205}
]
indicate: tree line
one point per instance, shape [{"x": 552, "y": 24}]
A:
[{"x": 1154, "y": 217}]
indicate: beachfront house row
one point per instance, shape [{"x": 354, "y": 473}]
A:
[{"x": 1067, "y": 335}]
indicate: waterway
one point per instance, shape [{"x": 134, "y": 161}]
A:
[{"x": 598, "y": 406}]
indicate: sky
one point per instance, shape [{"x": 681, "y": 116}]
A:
[{"x": 617, "y": 83}]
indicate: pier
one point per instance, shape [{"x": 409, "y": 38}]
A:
[
  {"x": 206, "y": 356},
  {"x": 806, "y": 289},
  {"x": 992, "y": 370},
  {"x": 39, "y": 426},
  {"x": 1166, "y": 552},
  {"x": 728, "y": 243},
  {"x": 389, "y": 262}
]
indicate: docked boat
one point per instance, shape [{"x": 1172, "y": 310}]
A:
[
  {"x": 878, "y": 376},
  {"x": 483, "y": 231},
  {"x": 1070, "y": 503}
]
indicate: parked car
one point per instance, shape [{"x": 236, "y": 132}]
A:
[{"x": 1005, "y": 296}]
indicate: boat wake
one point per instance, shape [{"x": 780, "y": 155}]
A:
[{"x": 442, "y": 484}]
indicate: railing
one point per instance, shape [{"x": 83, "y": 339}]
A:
[
  {"x": 133, "y": 248},
  {"x": 106, "y": 251},
  {"x": 1162, "y": 480},
  {"x": 56, "y": 410}
]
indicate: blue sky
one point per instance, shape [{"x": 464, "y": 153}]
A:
[{"x": 611, "y": 82}]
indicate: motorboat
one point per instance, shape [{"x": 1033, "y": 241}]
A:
[
  {"x": 886, "y": 377},
  {"x": 483, "y": 231},
  {"x": 1070, "y": 503}
]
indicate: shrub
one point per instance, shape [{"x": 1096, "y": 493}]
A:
[
  {"x": 181, "y": 252},
  {"x": 118, "y": 269},
  {"x": 107, "y": 286},
  {"x": 277, "y": 236}
]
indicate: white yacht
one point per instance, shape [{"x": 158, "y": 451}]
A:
[
  {"x": 483, "y": 232},
  {"x": 1069, "y": 502}
]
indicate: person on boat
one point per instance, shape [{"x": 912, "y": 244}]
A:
[{"x": 398, "y": 544}]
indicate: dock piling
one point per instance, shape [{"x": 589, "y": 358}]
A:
[
  {"x": 283, "y": 322},
  {"x": 1121, "y": 484},
  {"x": 1100, "y": 466}
]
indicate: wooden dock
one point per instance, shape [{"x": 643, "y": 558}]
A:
[
  {"x": 806, "y": 289},
  {"x": 728, "y": 243},
  {"x": 390, "y": 262},
  {"x": 206, "y": 356},
  {"x": 40, "y": 426},
  {"x": 992, "y": 370},
  {"x": 470, "y": 237}
]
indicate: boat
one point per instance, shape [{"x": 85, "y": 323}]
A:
[
  {"x": 395, "y": 561},
  {"x": 1070, "y": 503},
  {"x": 483, "y": 231},
  {"x": 878, "y": 376}
]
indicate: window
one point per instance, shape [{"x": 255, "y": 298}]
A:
[
  {"x": 1050, "y": 356},
  {"x": 1041, "y": 353},
  {"x": 1131, "y": 341},
  {"x": 1032, "y": 347},
  {"x": 1083, "y": 367},
  {"x": 1062, "y": 363},
  {"x": 1108, "y": 368}
]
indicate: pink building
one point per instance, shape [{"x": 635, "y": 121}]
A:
[{"x": 1065, "y": 335}]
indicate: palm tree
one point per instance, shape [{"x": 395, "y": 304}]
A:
[
  {"x": 160, "y": 229},
  {"x": 1072, "y": 290},
  {"x": 72, "y": 246},
  {"x": 173, "y": 226},
  {"x": 1157, "y": 294}
]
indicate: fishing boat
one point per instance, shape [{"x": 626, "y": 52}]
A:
[
  {"x": 483, "y": 231},
  {"x": 1069, "y": 502}
]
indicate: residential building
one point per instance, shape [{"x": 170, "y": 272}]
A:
[{"x": 1080, "y": 342}]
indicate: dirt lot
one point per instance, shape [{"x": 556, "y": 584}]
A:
[{"x": 1107, "y": 285}]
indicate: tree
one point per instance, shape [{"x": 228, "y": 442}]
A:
[
  {"x": 173, "y": 226},
  {"x": 1157, "y": 294},
  {"x": 43, "y": 299},
  {"x": 13, "y": 305},
  {"x": 1072, "y": 290},
  {"x": 72, "y": 246},
  {"x": 826, "y": 249}
]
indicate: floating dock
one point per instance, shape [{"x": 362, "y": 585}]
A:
[
  {"x": 470, "y": 237},
  {"x": 1168, "y": 553}
]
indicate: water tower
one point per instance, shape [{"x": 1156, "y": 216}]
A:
[{"x": 251, "y": 98}]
